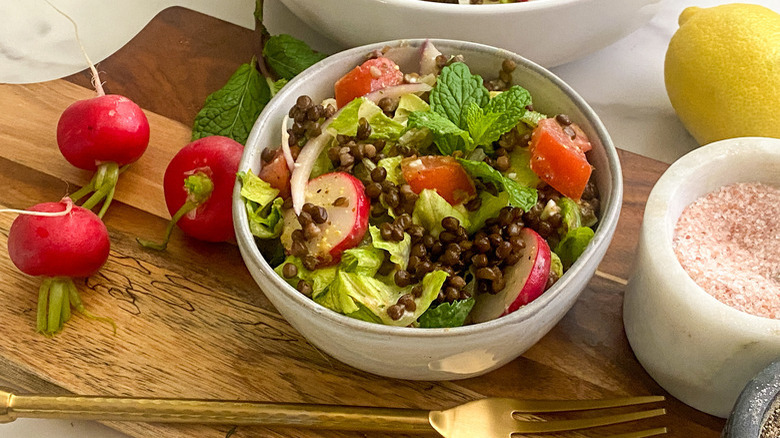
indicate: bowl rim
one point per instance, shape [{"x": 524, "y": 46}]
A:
[
  {"x": 601, "y": 239},
  {"x": 488, "y": 9},
  {"x": 681, "y": 171}
]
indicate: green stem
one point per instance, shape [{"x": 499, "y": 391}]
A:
[
  {"x": 104, "y": 183},
  {"x": 75, "y": 300},
  {"x": 43, "y": 305},
  {"x": 82, "y": 192},
  {"x": 198, "y": 187},
  {"x": 55, "y": 297}
]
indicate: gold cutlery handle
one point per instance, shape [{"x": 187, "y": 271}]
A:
[{"x": 152, "y": 410}]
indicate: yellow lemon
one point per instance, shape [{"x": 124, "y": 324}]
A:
[{"x": 722, "y": 72}]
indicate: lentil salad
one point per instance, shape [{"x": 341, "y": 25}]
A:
[{"x": 450, "y": 194}]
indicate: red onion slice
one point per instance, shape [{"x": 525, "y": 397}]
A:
[
  {"x": 314, "y": 147},
  {"x": 428, "y": 55}
]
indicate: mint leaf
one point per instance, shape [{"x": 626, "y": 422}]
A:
[
  {"x": 446, "y": 134},
  {"x": 232, "y": 110},
  {"x": 447, "y": 314},
  {"x": 456, "y": 88},
  {"x": 519, "y": 195},
  {"x": 289, "y": 56},
  {"x": 511, "y": 104},
  {"x": 483, "y": 127}
]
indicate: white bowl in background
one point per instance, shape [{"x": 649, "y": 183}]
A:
[
  {"x": 699, "y": 349},
  {"x": 445, "y": 353},
  {"x": 548, "y": 32}
]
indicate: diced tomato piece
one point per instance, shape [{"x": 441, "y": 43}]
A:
[
  {"x": 440, "y": 173},
  {"x": 372, "y": 75},
  {"x": 558, "y": 159},
  {"x": 277, "y": 174}
]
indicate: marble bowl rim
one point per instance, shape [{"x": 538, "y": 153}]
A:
[{"x": 678, "y": 175}]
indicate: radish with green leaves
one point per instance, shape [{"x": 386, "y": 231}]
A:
[
  {"x": 101, "y": 134},
  {"x": 58, "y": 241},
  {"x": 198, "y": 186}
]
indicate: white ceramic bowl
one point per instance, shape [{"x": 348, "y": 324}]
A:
[
  {"x": 548, "y": 32},
  {"x": 433, "y": 354},
  {"x": 700, "y": 350}
]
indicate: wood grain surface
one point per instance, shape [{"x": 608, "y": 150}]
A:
[{"x": 192, "y": 323}]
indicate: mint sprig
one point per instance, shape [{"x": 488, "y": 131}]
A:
[
  {"x": 463, "y": 116},
  {"x": 288, "y": 56},
  {"x": 232, "y": 110},
  {"x": 519, "y": 195}
]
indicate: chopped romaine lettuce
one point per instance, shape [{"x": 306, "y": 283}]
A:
[
  {"x": 573, "y": 244},
  {"x": 393, "y": 167},
  {"x": 367, "y": 298},
  {"x": 399, "y": 251},
  {"x": 409, "y": 103},
  {"x": 447, "y": 314},
  {"x": 490, "y": 207},
  {"x": 318, "y": 279},
  {"x": 263, "y": 206},
  {"x": 431, "y": 208},
  {"x": 382, "y": 127},
  {"x": 363, "y": 260}
]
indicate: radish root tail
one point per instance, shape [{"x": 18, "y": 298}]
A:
[
  {"x": 95, "y": 76},
  {"x": 66, "y": 200}
]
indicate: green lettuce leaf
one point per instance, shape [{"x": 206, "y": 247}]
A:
[
  {"x": 367, "y": 298},
  {"x": 519, "y": 195},
  {"x": 399, "y": 251},
  {"x": 263, "y": 206},
  {"x": 570, "y": 212},
  {"x": 409, "y": 103},
  {"x": 382, "y": 127},
  {"x": 288, "y": 56},
  {"x": 319, "y": 279},
  {"x": 490, "y": 207},
  {"x": 232, "y": 110},
  {"x": 520, "y": 168},
  {"x": 573, "y": 245},
  {"x": 363, "y": 260},
  {"x": 447, "y": 314},
  {"x": 556, "y": 266},
  {"x": 431, "y": 208},
  {"x": 393, "y": 167}
]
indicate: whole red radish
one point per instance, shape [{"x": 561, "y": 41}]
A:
[
  {"x": 198, "y": 186},
  {"x": 101, "y": 134},
  {"x": 58, "y": 241},
  {"x": 107, "y": 128}
]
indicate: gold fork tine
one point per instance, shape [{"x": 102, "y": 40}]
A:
[
  {"x": 641, "y": 433},
  {"x": 537, "y": 406},
  {"x": 524, "y": 426}
]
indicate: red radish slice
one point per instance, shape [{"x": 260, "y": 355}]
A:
[
  {"x": 347, "y": 220},
  {"x": 314, "y": 147},
  {"x": 525, "y": 281}
]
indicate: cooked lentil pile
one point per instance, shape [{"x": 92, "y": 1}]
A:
[{"x": 442, "y": 231}]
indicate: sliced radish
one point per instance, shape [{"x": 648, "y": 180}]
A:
[
  {"x": 525, "y": 281},
  {"x": 314, "y": 147},
  {"x": 347, "y": 219}
]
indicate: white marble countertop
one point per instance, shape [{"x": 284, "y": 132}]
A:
[{"x": 622, "y": 82}]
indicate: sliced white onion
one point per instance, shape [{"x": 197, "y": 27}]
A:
[
  {"x": 286, "y": 144},
  {"x": 406, "y": 57},
  {"x": 314, "y": 147},
  {"x": 428, "y": 55},
  {"x": 395, "y": 92}
]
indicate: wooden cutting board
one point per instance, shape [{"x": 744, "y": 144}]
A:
[{"x": 192, "y": 323}]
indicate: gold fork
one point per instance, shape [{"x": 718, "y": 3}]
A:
[{"x": 484, "y": 418}]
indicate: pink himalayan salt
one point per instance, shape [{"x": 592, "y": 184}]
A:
[{"x": 729, "y": 243}]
